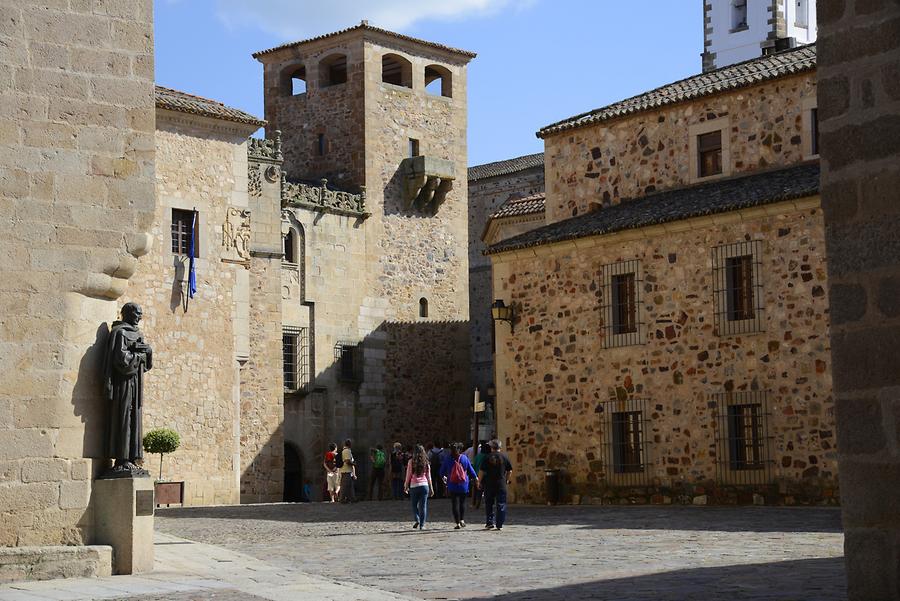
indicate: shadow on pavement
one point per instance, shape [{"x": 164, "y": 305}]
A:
[
  {"x": 640, "y": 517},
  {"x": 805, "y": 579}
]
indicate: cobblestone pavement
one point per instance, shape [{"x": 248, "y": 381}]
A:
[{"x": 544, "y": 553}]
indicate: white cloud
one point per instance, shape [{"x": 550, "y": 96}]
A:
[{"x": 292, "y": 19}]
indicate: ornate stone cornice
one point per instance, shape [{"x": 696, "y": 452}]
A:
[
  {"x": 320, "y": 198},
  {"x": 265, "y": 150}
]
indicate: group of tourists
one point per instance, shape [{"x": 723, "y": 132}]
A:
[{"x": 481, "y": 473}]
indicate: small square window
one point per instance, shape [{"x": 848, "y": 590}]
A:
[
  {"x": 184, "y": 228},
  {"x": 320, "y": 144},
  {"x": 709, "y": 153},
  {"x": 413, "y": 148}
]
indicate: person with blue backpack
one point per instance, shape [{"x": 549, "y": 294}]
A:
[{"x": 457, "y": 472}]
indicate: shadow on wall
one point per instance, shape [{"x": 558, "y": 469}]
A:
[
  {"x": 424, "y": 368},
  {"x": 88, "y": 398}
]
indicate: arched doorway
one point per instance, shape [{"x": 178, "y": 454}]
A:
[{"x": 293, "y": 474}]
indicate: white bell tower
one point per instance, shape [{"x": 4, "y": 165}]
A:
[{"x": 739, "y": 30}]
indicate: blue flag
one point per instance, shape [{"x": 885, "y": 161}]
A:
[{"x": 192, "y": 276}]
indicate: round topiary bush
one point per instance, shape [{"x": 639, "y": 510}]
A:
[{"x": 162, "y": 441}]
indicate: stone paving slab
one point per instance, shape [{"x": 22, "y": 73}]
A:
[{"x": 544, "y": 553}]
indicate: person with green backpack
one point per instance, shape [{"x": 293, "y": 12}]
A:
[{"x": 379, "y": 460}]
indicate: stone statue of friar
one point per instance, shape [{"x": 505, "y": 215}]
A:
[{"x": 127, "y": 358}]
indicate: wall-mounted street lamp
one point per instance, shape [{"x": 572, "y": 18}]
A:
[{"x": 500, "y": 312}]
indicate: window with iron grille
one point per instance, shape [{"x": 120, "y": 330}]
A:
[
  {"x": 348, "y": 358},
  {"x": 709, "y": 153},
  {"x": 182, "y": 223},
  {"x": 621, "y": 300},
  {"x": 295, "y": 354},
  {"x": 623, "y": 437},
  {"x": 742, "y": 437},
  {"x": 737, "y": 288}
]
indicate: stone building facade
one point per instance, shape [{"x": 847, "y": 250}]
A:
[
  {"x": 215, "y": 380},
  {"x": 670, "y": 340},
  {"x": 374, "y": 282},
  {"x": 491, "y": 186},
  {"x": 859, "y": 71},
  {"x": 77, "y": 198}
]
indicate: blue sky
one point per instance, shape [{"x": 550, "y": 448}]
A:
[{"x": 538, "y": 61}]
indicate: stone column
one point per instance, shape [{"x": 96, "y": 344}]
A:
[
  {"x": 859, "y": 110},
  {"x": 123, "y": 514}
]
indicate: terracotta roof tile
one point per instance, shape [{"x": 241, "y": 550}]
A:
[
  {"x": 711, "y": 198},
  {"x": 516, "y": 207},
  {"x": 365, "y": 26},
  {"x": 174, "y": 100},
  {"x": 735, "y": 76},
  {"x": 506, "y": 167}
]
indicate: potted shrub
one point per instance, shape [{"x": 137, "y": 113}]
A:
[{"x": 162, "y": 441}]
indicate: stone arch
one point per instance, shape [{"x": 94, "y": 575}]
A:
[
  {"x": 293, "y": 473},
  {"x": 293, "y": 80},
  {"x": 333, "y": 70},
  {"x": 396, "y": 70},
  {"x": 439, "y": 81}
]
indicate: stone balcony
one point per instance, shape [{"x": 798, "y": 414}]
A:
[{"x": 426, "y": 181}]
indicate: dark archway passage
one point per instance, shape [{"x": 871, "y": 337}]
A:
[{"x": 293, "y": 474}]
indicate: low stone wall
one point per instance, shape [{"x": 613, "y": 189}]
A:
[{"x": 47, "y": 563}]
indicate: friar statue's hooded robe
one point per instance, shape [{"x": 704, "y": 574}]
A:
[{"x": 124, "y": 384}]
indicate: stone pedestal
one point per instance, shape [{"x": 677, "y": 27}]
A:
[{"x": 123, "y": 514}]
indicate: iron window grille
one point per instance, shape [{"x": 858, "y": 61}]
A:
[
  {"x": 709, "y": 153},
  {"x": 348, "y": 359},
  {"x": 626, "y": 456},
  {"x": 295, "y": 346},
  {"x": 622, "y": 324},
  {"x": 742, "y": 437},
  {"x": 737, "y": 288},
  {"x": 182, "y": 222}
]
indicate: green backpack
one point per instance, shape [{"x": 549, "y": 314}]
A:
[{"x": 380, "y": 459}]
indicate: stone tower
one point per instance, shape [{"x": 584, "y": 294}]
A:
[
  {"x": 740, "y": 30},
  {"x": 375, "y": 294}
]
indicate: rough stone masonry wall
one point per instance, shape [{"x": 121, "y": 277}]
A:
[
  {"x": 418, "y": 254},
  {"x": 485, "y": 196},
  {"x": 262, "y": 378},
  {"x": 335, "y": 111},
  {"x": 633, "y": 156},
  {"x": 553, "y": 371},
  {"x": 859, "y": 60},
  {"x": 190, "y": 388},
  {"x": 76, "y": 196}
]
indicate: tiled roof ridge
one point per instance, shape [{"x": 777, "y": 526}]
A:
[
  {"x": 176, "y": 100},
  {"x": 708, "y": 198},
  {"x": 506, "y": 166},
  {"x": 364, "y": 25},
  {"x": 805, "y": 57}
]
